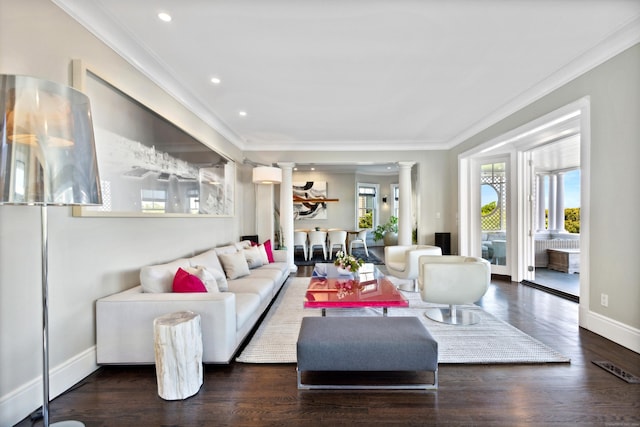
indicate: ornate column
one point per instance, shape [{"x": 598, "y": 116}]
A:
[
  {"x": 540, "y": 203},
  {"x": 560, "y": 203},
  {"x": 404, "y": 210},
  {"x": 286, "y": 210},
  {"x": 552, "y": 202}
]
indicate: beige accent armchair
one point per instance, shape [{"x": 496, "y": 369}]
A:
[
  {"x": 453, "y": 280},
  {"x": 402, "y": 261}
]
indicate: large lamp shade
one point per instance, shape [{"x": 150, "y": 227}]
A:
[
  {"x": 47, "y": 157},
  {"x": 47, "y": 149},
  {"x": 267, "y": 175}
]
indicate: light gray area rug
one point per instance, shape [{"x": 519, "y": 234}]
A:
[{"x": 491, "y": 341}]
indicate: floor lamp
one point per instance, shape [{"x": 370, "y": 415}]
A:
[{"x": 47, "y": 157}]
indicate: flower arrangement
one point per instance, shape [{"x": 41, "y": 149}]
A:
[{"x": 348, "y": 262}]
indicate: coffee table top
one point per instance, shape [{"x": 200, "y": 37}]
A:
[{"x": 328, "y": 289}]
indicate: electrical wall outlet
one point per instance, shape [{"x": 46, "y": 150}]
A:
[{"x": 604, "y": 300}]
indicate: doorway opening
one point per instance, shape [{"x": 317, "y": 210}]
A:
[{"x": 546, "y": 195}]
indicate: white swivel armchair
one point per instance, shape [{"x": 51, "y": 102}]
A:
[
  {"x": 317, "y": 238},
  {"x": 337, "y": 238},
  {"x": 453, "y": 280},
  {"x": 402, "y": 262},
  {"x": 360, "y": 239},
  {"x": 300, "y": 239}
]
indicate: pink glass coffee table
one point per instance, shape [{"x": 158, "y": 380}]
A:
[{"x": 369, "y": 289}]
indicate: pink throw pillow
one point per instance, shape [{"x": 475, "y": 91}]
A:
[
  {"x": 269, "y": 250},
  {"x": 186, "y": 282}
]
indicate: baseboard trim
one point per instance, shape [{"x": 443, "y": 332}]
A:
[
  {"x": 613, "y": 330},
  {"x": 19, "y": 403}
]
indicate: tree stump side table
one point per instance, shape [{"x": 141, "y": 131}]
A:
[{"x": 178, "y": 354}]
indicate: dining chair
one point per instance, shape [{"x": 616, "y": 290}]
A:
[
  {"x": 360, "y": 239},
  {"x": 317, "y": 238},
  {"x": 337, "y": 238},
  {"x": 300, "y": 239}
]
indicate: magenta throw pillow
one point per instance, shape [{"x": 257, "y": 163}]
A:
[
  {"x": 269, "y": 250},
  {"x": 186, "y": 282}
]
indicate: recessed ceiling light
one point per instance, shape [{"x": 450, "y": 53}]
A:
[
  {"x": 215, "y": 80},
  {"x": 243, "y": 113},
  {"x": 313, "y": 169},
  {"x": 164, "y": 16}
]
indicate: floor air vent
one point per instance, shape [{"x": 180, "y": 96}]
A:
[{"x": 618, "y": 372}]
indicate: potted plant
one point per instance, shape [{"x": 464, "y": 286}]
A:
[{"x": 387, "y": 231}]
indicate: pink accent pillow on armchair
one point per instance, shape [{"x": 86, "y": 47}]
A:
[{"x": 186, "y": 282}]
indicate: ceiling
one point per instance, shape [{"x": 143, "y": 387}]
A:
[{"x": 356, "y": 75}]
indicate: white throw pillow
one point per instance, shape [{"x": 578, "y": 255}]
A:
[
  {"x": 208, "y": 259},
  {"x": 159, "y": 278},
  {"x": 235, "y": 265},
  {"x": 207, "y": 278},
  {"x": 221, "y": 279},
  {"x": 243, "y": 245},
  {"x": 254, "y": 259},
  {"x": 263, "y": 254}
]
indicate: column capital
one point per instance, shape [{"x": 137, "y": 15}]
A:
[
  {"x": 403, "y": 165},
  {"x": 286, "y": 165}
]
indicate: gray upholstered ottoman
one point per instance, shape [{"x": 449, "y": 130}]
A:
[{"x": 366, "y": 344}]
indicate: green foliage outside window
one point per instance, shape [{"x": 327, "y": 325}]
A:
[
  {"x": 488, "y": 208},
  {"x": 366, "y": 220},
  {"x": 572, "y": 220}
]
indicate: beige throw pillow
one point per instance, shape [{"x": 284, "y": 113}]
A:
[
  {"x": 235, "y": 265},
  {"x": 254, "y": 259}
]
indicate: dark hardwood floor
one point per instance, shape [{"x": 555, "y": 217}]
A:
[{"x": 578, "y": 393}]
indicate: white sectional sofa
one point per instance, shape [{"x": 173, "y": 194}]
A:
[{"x": 124, "y": 321}]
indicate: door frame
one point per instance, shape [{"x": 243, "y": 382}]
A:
[{"x": 516, "y": 143}]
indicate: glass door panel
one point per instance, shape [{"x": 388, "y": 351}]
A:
[{"x": 493, "y": 212}]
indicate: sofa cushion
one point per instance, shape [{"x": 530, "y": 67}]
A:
[
  {"x": 159, "y": 278},
  {"x": 234, "y": 264},
  {"x": 253, "y": 257},
  {"x": 268, "y": 273},
  {"x": 208, "y": 260},
  {"x": 246, "y": 307},
  {"x": 262, "y": 286},
  {"x": 184, "y": 281},
  {"x": 207, "y": 278}
]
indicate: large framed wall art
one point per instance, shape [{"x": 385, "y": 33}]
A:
[
  {"x": 310, "y": 200},
  {"x": 149, "y": 166}
]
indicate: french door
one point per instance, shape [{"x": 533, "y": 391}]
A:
[{"x": 492, "y": 211}]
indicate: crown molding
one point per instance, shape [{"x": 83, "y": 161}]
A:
[{"x": 106, "y": 28}]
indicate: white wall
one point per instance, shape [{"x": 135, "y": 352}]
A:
[
  {"x": 89, "y": 257},
  {"x": 433, "y": 185},
  {"x": 614, "y": 91}
]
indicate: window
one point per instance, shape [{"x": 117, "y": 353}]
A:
[
  {"x": 194, "y": 201},
  {"x": 153, "y": 201},
  {"x": 366, "y": 205},
  {"x": 395, "y": 206}
]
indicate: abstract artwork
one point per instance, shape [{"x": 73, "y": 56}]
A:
[{"x": 308, "y": 200}]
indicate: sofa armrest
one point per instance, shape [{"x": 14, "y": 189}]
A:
[
  {"x": 123, "y": 318},
  {"x": 280, "y": 255}
]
